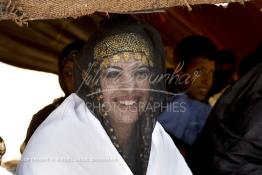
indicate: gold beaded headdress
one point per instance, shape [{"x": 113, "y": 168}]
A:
[{"x": 122, "y": 43}]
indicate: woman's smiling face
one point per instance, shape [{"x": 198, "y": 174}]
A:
[{"x": 125, "y": 87}]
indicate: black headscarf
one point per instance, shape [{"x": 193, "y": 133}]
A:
[
  {"x": 139, "y": 144},
  {"x": 231, "y": 141}
]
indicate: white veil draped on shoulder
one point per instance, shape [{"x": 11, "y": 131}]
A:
[{"x": 72, "y": 141}]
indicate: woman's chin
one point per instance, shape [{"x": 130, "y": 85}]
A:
[{"x": 125, "y": 117}]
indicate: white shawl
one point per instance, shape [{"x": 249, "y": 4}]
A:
[
  {"x": 3, "y": 171},
  {"x": 72, "y": 141}
]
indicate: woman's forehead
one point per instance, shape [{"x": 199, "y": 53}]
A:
[{"x": 127, "y": 65}]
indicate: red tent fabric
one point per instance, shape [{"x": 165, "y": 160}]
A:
[{"x": 237, "y": 27}]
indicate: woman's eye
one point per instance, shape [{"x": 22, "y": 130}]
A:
[
  {"x": 112, "y": 74},
  {"x": 142, "y": 73}
]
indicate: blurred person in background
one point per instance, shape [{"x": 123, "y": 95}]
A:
[
  {"x": 225, "y": 74},
  {"x": 2, "y": 149},
  {"x": 65, "y": 75},
  {"x": 187, "y": 112},
  {"x": 3, "y": 171},
  {"x": 250, "y": 61}
]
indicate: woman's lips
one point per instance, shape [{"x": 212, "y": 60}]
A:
[{"x": 127, "y": 102}]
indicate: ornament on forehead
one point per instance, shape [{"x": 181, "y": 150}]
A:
[
  {"x": 124, "y": 46},
  {"x": 127, "y": 56}
]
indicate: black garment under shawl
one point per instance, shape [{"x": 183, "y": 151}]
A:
[
  {"x": 140, "y": 140},
  {"x": 231, "y": 141}
]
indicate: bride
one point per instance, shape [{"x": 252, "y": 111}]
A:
[{"x": 109, "y": 125}]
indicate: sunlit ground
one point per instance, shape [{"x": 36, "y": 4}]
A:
[{"x": 22, "y": 93}]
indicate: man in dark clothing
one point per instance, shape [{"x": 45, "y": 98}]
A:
[{"x": 231, "y": 141}]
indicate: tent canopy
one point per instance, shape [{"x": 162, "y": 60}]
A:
[
  {"x": 23, "y": 10},
  {"x": 37, "y": 46}
]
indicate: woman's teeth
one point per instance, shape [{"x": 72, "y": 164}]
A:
[{"x": 127, "y": 103}]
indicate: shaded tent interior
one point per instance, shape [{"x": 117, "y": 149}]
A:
[{"x": 237, "y": 27}]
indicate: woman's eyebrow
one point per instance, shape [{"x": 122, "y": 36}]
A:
[
  {"x": 114, "y": 67},
  {"x": 143, "y": 66}
]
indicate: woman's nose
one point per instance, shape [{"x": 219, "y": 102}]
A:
[{"x": 127, "y": 82}]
